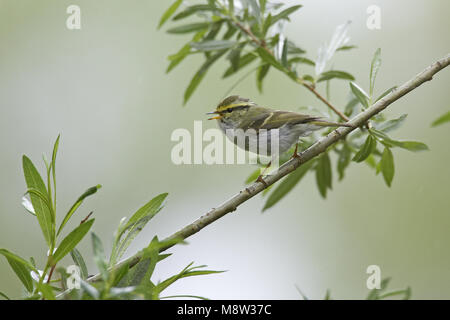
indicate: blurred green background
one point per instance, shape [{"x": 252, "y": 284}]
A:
[{"x": 104, "y": 88}]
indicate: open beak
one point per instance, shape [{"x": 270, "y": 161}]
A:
[{"x": 216, "y": 117}]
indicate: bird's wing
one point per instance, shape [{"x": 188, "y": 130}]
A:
[{"x": 263, "y": 118}]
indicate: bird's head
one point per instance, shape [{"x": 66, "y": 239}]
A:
[{"x": 232, "y": 108}]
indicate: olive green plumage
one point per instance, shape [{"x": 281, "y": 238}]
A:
[{"x": 235, "y": 112}]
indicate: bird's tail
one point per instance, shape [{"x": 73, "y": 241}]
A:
[{"x": 325, "y": 123}]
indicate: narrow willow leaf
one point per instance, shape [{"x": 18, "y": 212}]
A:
[
  {"x": 4, "y": 296},
  {"x": 253, "y": 176},
  {"x": 235, "y": 55},
  {"x": 230, "y": 31},
  {"x": 302, "y": 60},
  {"x": 192, "y": 10},
  {"x": 366, "y": 150},
  {"x": 243, "y": 61},
  {"x": 335, "y": 74},
  {"x": 151, "y": 208},
  {"x": 90, "y": 290},
  {"x": 192, "y": 27},
  {"x": 393, "y": 124},
  {"x": 344, "y": 160},
  {"x": 286, "y": 185},
  {"x": 360, "y": 94},
  {"x": 214, "y": 30},
  {"x": 77, "y": 204},
  {"x": 55, "y": 151},
  {"x": 260, "y": 75},
  {"x": 46, "y": 290},
  {"x": 186, "y": 272},
  {"x": 99, "y": 256},
  {"x": 284, "y": 54},
  {"x": 293, "y": 49},
  {"x": 44, "y": 214},
  {"x": 169, "y": 12},
  {"x": 200, "y": 74},
  {"x": 374, "y": 67},
  {"x": 21, "y": 268},
  {"x": 324, "y": 174},
  {"x": 79, "y": 261},
  {"x": 211, "y": 45},
  {"x": 71, "y": 240},
  {"x": 267, "y": 57},
  {"x": 384, "y": 94},
  {"x": 267, "y": 24},
  {"x": 135, "y": 224},
  {"x": 284, "y": 14},
  {"x": 176, "y": 58},
  {"x": 345, "y": 48},
  {"x": 387, "y": 166},
  {"x": 441, "y": 120},
  {"x": 255, "y": 10},
  {"x": 408, "y": 145}
]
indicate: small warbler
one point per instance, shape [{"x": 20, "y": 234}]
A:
[{"x": 235, "y": 112}]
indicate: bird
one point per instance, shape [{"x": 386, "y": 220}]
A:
[{"x": 235, "y": 112}]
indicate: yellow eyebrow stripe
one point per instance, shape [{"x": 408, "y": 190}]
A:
[{"x": 234, "y": 105}]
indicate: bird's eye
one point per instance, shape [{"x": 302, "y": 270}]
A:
[{"x": 229, "y": 110}]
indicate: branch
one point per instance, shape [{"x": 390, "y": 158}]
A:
[{"x": 288, "y": 167}]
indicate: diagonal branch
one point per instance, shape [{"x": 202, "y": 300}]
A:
[{"x": 288, "y": 167}]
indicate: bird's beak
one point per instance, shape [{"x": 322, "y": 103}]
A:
[{"x": 216, "y": 117}]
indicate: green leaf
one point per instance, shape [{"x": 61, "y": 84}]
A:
[
  {"x": 441, "y": 120},
  {"x": 284, "y": 54},
  {"x": 176, "y": 58},
  {"x": 267, "y": 57},
  {"x": 323, "y": 174},
  {"x": 243, "y": 61},
  {"x": 392, "y": 124},
  {"x": 71, "y": 240},
  {"x": 55, "y": 151},
  {"x": 285, "y": 14},
  {"x": 79, "y": 261},
  {"x": 169, "y": 12},
  {"x": 200, "y": 74},
  {"x": 287, "y": 185},
  {"x": 260, "y": 75},
  {"x": 186, "y": 272},
  {"x": 384, "y": 94},
  {"x": 408, "y": 145},
  {"x": 77, "y": 204},
  {"x": 44, "y": 214},
  {"x": 253, "y": 176},
  {"x": 360, "y": 94},
  {"x": 387, "y": 166},
  {"x": 99, "y": 256},
  {"x": 47, "y": 291},
  {"x": 135, "y": 224},
  {"x": 301, "y": 60},
  {"x": 192, "y": 27},
  {"x": 335, "y": 74},
  {"x": 211, "y": 45},
  {"x": 374, "y": 67},
  {"x": 345, "y": 48},
  {"x": 255, "y": 9},
  {"x": 366, "y": 150},
  {"x": 192, "y": 10},
  {"x": 343, "y": 160},
  {"x": 4, "y": 296},
  {"x": 90, "y": 290},
  {"x": 21, "y": 268}
]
